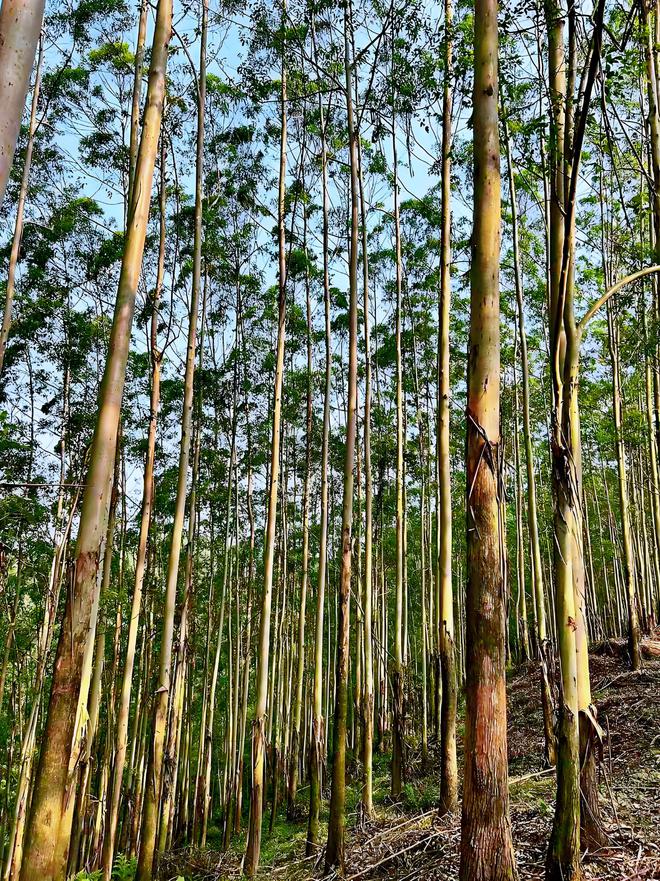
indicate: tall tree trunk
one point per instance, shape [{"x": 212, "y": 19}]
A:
[
  {"x": 563, "y": 860},
  {"x": 145, "y": 865},
  {"x": 248, "y": 634},
  {"x": 170, "y": 762},
  {"x": 486, "y": 846},
  {"x": 295, "y": 747},
  {"x": 544, "y": 646},
  {"x": 121, "y": 737},
  {"x": 61, "y": 734},
  {"x": 654, "y": 487},
  {"x": 205, "y": 783},
  {"x": 253, "y": 846},
  {"x": 577, "y": 715},
  {"x": 447, "y": 695},
  {"x": 624, "y": 506},
  {"x": 367, "y": 593},
  {"x": 317, "y": 740},
  {"x": 334, "y": 855},
  {"x": 92, "y": 670},
  {"x": 398, "y": 695}
]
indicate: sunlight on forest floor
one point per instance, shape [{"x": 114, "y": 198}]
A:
[{"x": 407, "y": 841}]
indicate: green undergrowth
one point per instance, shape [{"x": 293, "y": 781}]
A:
[
  {"x": 123, "y": 870},
  {"x": 537, "y": 794}
]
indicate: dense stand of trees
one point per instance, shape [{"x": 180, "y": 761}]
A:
[{"x": 330, "y": 387}]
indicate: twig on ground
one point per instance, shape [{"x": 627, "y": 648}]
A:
[
  {"x": 397, "y": 853},
  {"x": 530, "y": 776}
]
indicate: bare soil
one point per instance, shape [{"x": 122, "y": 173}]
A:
[{"x": 408, "y": 841}]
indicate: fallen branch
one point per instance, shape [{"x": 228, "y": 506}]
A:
[
  {"x": 398, "y": 853},
  {"x": 618, "y": 648},
  {"x": 542, "y": 773},
  {"x": 386, "y": 830}
]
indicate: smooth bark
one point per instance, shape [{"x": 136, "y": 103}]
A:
[
  {"x": 253, "y": 846},
  {"x": 20, "y": 26},
  {"x": 58, "y": 753},
  {"x": 145, "y": 864},
  {"x": 334, "y": 855}
]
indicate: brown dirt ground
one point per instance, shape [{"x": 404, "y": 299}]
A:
[{"x": 407, "y": 846}]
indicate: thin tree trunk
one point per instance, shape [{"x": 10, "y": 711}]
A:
[
  {"x": 253, "y": 846},
  {"x": 145, "y": 865},
  {"x": 367, "y": 594},
  {"x": 293, "y": 759},
  {"x": 317, "y": 740},
  {"x": 137, "y": 94},
  {"x": 521, "y": 604},
  {"x": 446, "y": 695},
  {"x": 398, "y": 695},
  {"x": 624, "y": 507},
  {"x": 205, "y": 785},
  {"x": 334, "y": 855},
  {"x": 544, "y": 646},
  {"x": 145, "y": 521}
]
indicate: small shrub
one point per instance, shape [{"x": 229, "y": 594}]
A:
[{"x": 124, "y": 868}]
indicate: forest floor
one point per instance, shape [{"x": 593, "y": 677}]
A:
[{"x": 407, "y": 841}]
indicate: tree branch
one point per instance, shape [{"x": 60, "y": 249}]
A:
[{"x": 649, "y": 270}]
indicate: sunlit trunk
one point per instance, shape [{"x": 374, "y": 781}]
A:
[
  {"x": 20, "y": 25},
  {"x": 59, "y": 750},
  {"x": 486, "y": 846}
]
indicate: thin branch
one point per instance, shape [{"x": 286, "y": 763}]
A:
[{"x": 629, "y": 279}]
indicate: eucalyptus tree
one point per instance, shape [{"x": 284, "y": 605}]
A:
[
  {"x": 20, "y": 26},
  {"x": 47, "y": 845},
  {"x": 164, "y": 694},
  {"x": 334, "y": 855},
  {"x": 253, "y": 845},
  {"x": 20, "y": 210},
  {"x": 141, "y": 557},
  {"x": 48, "y": 331},
  {"x": 445, "y": 593},
  {"x": 544, "y": 648},
  {"x": 342, "y": 135},
  {"x": 316, "y": 743},
  {"x": 575, "y": 717},
  {"x": 486, "y": 845},
  {"x": 398, "y": 673}
]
